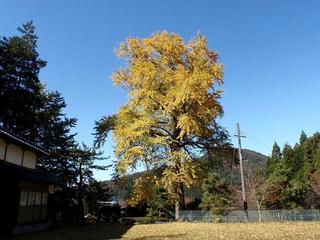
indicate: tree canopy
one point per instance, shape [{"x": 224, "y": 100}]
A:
[
  {"x": 174, "y": 93},
  {"x": 21, "y": 92}
]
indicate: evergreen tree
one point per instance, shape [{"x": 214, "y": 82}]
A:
[
  {"x": 84, "y": 159},
  {"x": 56, "y": 137},
  {"x": 215, "y": 194},
  {"x": 95, "y": 192},
  {"x": 159, "y": 204},
  {"x": 30, "y": 111},
  {"x": 20, "y": 88},
  {"x": 311, "y": 149},
  {"x": 287, "y": 154},
  {"x": 287, "y": 184},
  {"x": 276, "y": 151},
  {"x": 275, "y": 158},
  {"x": 303, "y": 137},
  {"x": 277, "y": 182},
  {"x": 296, "y": 163},
  {"x": 312, "y": 169}
]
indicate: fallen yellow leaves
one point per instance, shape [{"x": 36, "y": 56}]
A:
[{"x": 238, "y": 231}]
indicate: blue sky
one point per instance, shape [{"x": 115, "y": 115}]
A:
[{"x": 270, "y": 49}]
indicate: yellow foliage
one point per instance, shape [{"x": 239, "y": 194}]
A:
[
  {"x": 173, "y": 90},
  {"x": 142, "y": 190},
  {"x": 187, "y": 173}
]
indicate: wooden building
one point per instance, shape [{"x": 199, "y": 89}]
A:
[{"x": 24, "y": 205}]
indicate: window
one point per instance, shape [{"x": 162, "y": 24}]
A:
[
  {"x": 33, "y": 206},
  {"x": 31, "y": 197},
  {"x": 23, "y": 198},
  {"x": 37, "y": 200},
  {"x": 44, "y": 199},
  {"x": 44, "y": 209}
]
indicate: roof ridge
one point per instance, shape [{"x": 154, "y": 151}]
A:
[{"x": 23, "y": 141}]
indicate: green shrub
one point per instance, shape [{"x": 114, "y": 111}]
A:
[
  {"x": 137, "y": 220},
  {"x": 215, "y": 195}
]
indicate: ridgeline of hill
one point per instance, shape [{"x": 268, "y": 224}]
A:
[{"x": 252, "y": 160}]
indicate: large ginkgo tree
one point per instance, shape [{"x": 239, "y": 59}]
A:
[{"x": 173, "y": 103}]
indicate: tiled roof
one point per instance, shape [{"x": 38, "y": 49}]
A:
[{"x": 21, "y": 142}]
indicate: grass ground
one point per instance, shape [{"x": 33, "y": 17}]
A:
[{"x": 185, "y": 231}]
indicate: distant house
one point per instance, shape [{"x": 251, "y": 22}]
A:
[{"x": 24, "y": 205}]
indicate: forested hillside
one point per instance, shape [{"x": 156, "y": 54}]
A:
[
  {"x": 122, "y": 188},
  {"x": 288, "y": 179},
  {"x": 293, "y": 174}
]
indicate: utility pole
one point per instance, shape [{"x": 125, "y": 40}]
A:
[{"x": 244, "y": 197}]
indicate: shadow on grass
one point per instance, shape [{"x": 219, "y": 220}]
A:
[{"x": 87, "y": 232}]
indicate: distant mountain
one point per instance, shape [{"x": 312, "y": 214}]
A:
[{"x": 253, "y": 158}]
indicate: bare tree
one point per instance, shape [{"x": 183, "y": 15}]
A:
[{"x": 257, "y": 187}]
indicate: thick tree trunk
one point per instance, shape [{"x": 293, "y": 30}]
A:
[
  {"x": 179, "y": 201},
  {"x": 181, "y": 197},
  {"x": 179, "y": 193},
  {"x": 80, "y": 209},
  {"x": 177, "y": 210}
]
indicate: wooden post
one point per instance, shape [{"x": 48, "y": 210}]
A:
[{"x": 244, "y": 197}]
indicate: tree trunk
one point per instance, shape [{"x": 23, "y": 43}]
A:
[
  {"x": 80, "y": 196},
  {"x": 181, "y": 197},
  {"x": 179, "y": 201},
  {"x": 259, "y": 211},
  {"x": 177, "y": 210},
  {"x": 178, "y": 188},
  {"x": 81, "y": 208}
]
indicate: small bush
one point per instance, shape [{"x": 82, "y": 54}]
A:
[
  {"x": 142, "y": 220},
  {"x": 137, "y": 220}
]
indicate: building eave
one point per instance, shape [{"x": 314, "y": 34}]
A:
[{"x": 21, "y": 142}]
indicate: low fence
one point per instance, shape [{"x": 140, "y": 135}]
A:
[{"x": 251, "y": 216}]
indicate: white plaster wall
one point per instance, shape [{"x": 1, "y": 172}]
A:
[
  {"x": 2, "y": 149},
  {"x": 14, "y": 154},
  {"x": 29, "y": 159}
]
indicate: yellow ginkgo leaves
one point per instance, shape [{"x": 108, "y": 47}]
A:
[{"x": 173, "y": 90}]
